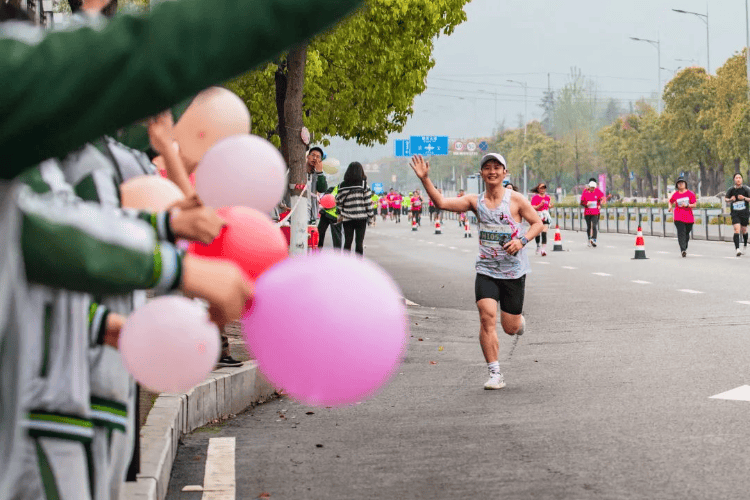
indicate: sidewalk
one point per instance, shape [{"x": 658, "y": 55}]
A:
[{"x": 225, "y": 393}]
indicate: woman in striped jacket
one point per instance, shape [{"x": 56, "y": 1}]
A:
[{"x": 355, "y": 206}]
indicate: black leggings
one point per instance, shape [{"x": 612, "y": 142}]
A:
[
  {"x": 592, "y": 226},
  {"x": 543, "y": 237},
  {"x": 683, "y": 233},
  {"x": 357, "y": 226}
]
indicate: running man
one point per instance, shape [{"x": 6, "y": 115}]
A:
[
  {"x": 739, "y": 196},
  {"x": 384, "y": 207},
  {"x": 502, "y": 263},
  {"x": 397, "y": 198},
  {"x": 416, "y": 207},
  {"x": 592, "y": 198},
  {"x": 542, "y": 203}
]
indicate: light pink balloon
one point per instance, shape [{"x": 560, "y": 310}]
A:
[
  {"x": 329, "y": 329},
  {"x": 242, "y": 170},
  {"x": 149, "y": 192},
  {"x": 169, "y": 345}
]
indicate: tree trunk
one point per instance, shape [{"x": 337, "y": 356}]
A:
[
  {"x": 625, "y": 178},
  {"x": 650, "y": 180},
  {"x": 737, "y": 165},
  {"x": 294, "y": 147},
  {"x": 702, "y": 181}
]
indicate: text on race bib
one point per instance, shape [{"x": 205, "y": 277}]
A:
[
  {"x": 739, "y": 205},
  {"x": 591, "y": 204},
  {"x": 494, "y": 235},
  {"x": 683, "y": 202}
]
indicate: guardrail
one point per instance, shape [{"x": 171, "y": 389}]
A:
[{"x": 710, "y": 223}]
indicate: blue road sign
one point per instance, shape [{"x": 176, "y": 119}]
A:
[
  {"x": 377, "y": 188},
  {"x": 429, "y": 145},
  {"x": 483, "y": 145},
  {"x": 402, "y": 148}
]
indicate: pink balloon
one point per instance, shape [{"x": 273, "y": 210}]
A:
[
  {"x": 242, "y": 170},
  {"x": 169, "y": 345},
  {"x": 149, "y": 192},
  {"x": 329, "y": 329},
  {"x": 328, "y": 201}
]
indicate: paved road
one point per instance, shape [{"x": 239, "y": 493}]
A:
[{"x": 608, "y": 393}]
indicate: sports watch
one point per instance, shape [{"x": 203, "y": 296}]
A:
[{"x": 524, "y": 240}]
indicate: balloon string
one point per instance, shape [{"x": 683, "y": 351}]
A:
[{"x": 283, "y": 221}]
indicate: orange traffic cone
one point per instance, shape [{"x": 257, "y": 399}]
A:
[
  {"x": 438, "y": 229},
  {"x": 558, "y": 240},
  {"x": 640, "y": 245},
  {"x": 467, "y": 229},
  {"x": 414, "y": 224}
]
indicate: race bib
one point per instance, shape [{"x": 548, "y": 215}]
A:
[
  {"x": 683, "y": 202},
  {"x": 494, "y": 235},
  {"x": 739, "y": 205},
  {"x": 591, "y": 204}
]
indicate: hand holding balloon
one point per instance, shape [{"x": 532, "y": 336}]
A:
[{"x": 201, "y": 224}]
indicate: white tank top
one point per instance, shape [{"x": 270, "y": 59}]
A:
[{"x": 496, "y": 228}]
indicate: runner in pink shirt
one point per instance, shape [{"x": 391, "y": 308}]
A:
[
  {"x": 682, "y": 203},
  {"x": 416, "y": 207},
  {"x": 384, "y": 206},
  {"x": 542, "y": 203},
  {"x": 592, "y": 198},
  {"x": 397, "y": 206}
]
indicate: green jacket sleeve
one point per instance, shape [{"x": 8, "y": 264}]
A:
[
  {"x": 66, "y": 88},
  {"x": 322, "y": 184}
]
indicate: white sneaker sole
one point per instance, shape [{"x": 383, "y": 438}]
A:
[{"x": 494, "y": 387}]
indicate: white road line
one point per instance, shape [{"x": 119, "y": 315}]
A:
[
  {"x": 430, "y": 242},
  {"x": 467, "y": 251},
  {"x": 440, "y": 245},
  {"x": 610, "y": 246},
  {"x": 568, "y": 267},
  {"x": 741, "y": 393},
  {"x": 687, "y": 290},
  {"x": 453, "y": 248},
  {"x": 664, "y": 253},
  {"x": 409, "y": 302},
  {"x": 743, "y": 302},
  {"x": 542, "y": 263},
  {"x": 695, "y": 255},
  {"x": 731, "y": 258},
  {"x": 219, "y": 481},
  {"x": 641, "y": 282},
  {"x": 601, "y": 274}
]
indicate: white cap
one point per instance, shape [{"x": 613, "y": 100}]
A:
[
  {"x": 592, "y": 184},
  {"x": 493, "y": 156}
]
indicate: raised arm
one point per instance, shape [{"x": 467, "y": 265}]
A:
[
  {"x": 136, "y": 66},
  {"x": 462, "y": 204}
]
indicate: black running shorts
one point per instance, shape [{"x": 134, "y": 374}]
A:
[
  {"x": 508, "y": 293},
  {"x": 740, "y": 219}
]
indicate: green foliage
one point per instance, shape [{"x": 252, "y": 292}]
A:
[{"x": 361, "y": 76}]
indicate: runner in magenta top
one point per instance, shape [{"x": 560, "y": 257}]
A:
[
  {"x": 397, "y": 206},
  {"x": 384, "y": 204},
  {"x": 682, "y": 203},
  {"x": 592, "y": 198},
  {"x": 416, "y": 207},
  {"x": 542, "y": 203}
]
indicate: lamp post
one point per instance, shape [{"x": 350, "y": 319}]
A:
[
  {"x": 704, "y": 18},
  {"x": 657, "y": 44},
  {"x": 525, "y": 127}
]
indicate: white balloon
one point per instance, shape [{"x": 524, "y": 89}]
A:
[{"x": 242, "y": 170}]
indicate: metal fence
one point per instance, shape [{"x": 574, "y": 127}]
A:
[{"x": 710, "y": 223}]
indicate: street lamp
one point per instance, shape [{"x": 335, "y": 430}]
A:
[
  {"x": 525, "y": 126},
  {"x": 657, "y": 44},
  {"x": 704, "y": 18}
]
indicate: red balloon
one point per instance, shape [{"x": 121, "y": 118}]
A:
[
  {"x": 328, "y": 201},
  {"x": 250, "y": 239}
]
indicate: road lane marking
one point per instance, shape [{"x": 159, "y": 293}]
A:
[
  {"x": 601, "y": 274},
  {"x": 642, "y": 282},
  {"x": 453, "y": 248},
  {"x": 542, "y": 263},
  {"x": 409, "y": 302},
  {"x": 467, "y": 251},
  {"x": 695, "y": 255},
  {"x": 687, "y": 290},
  {"x": 430, "y": 242},
  {"x": 741, "y": 393},
  {"x": 440, "y": 245},
  {"x": 743, "y": 302},
  {"x": 664, "y": 253},
  {"x": 610, "y": 246},
  {"x": 731, "y": 258},
  {"x": 219, "y": 480},
  {"x": 568, "y": 267}
]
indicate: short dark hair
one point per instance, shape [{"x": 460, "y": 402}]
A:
[{"x": 355, "y": 175}]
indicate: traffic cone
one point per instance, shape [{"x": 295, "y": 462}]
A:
[
  {"x": 438, "y": 229},
  {"x": 640, "y": 245},
  {"x": 414, "y": 224},
  {"x": 467, "y": 230},
  {"x": 558, "y": 240}
]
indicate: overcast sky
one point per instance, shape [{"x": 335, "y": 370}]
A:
[{"x": 525, "y": 40}]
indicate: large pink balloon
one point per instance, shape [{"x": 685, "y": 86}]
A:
[
  {"x": 169, "y": 345},
  {"x": 149, "y": 192},
  {"x": 242, "y": 170},
  {"x": 329, "y": 329},
  {"x": 328, "y": 201}
]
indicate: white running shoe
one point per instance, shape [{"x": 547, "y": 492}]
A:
[
  {"x": 544, "y": 253},
  {"x": 739, "y": 252},
  {"x": 495, "y": 382},
  {"x": 593, "y": 243},
  {"x": 537, "y": 250}
]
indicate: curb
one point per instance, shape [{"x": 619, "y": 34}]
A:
[{"x": 226, "y": 391}]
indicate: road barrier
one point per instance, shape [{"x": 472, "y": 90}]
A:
[{"x": 710, "y": 223}]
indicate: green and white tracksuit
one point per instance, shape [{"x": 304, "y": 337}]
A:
[
  {"x": 67, "y": 244},
  {"x": 137, "y": 66}
]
